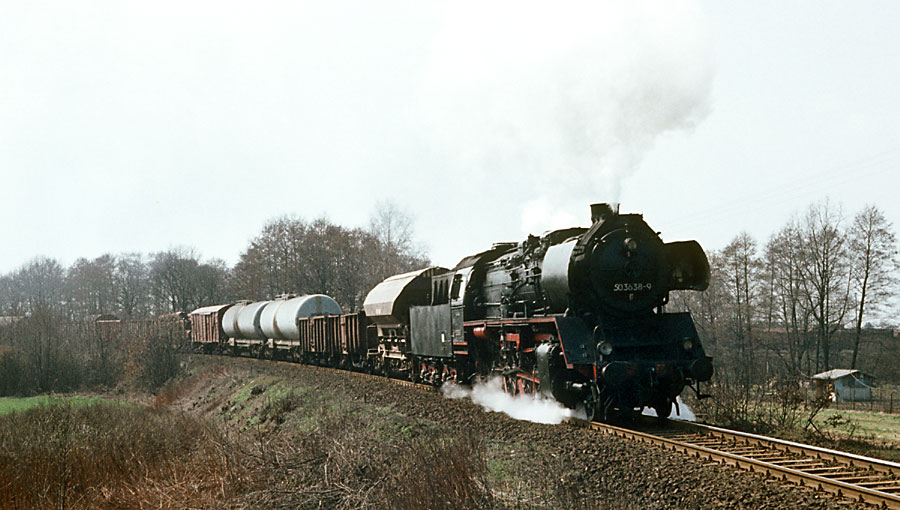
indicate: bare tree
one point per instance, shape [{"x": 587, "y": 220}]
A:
[
  {"x": 39, "y": 284},
  {"x": 90, "y": 286},
  {"x": 873, "y": 248},
  {"x": 392, "y": 228},
  {"x": 319, "y": 252},
  {"x": 273, "y": 263},
  {"x": 339, "y": 262},
  {"x": 739, "y": 275},
  {"x": 292, "y": 256},
  {"x": 132, "y": 282},
  {"x": 784, "y": 257},
  {"x": 210, "y": 283},
  {"x": 827, "y": 274},
  {"x": 182, "y": 283},
  {"x": 12, "y": 299}
]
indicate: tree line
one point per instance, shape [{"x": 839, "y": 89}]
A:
[
  {"x": 50, "y": 339},
  {"x": 794, "y": 306},
  {"x": 289, "y": 256},
  {"x": 805, "y": 301}
]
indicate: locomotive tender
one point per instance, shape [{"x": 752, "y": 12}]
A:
[{"x": 576, "y": 314}]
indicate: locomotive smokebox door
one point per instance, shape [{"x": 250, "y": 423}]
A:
[{"x": 430, "y": 331}]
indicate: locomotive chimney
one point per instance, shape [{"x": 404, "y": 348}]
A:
[{"x": 600, "y": 212}]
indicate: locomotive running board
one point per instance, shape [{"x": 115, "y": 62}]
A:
[{"x": 574, "y": 336}]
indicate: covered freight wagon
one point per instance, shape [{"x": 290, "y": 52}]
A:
[{"x": 206, "y": 327}]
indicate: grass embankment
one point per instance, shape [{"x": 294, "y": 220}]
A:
[
  {"x": 259, "y": 441},
  {"x": 314, "y": 449},
  {"x": 320, "y": 443},
  {"x": 267, "y": 443}
]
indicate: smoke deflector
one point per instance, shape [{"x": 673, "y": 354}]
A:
[{"x": 689, "y": 266}]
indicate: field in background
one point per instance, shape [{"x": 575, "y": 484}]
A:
[
  {"x": 11, "y": 404},
  {"x": 861, "y": 424}
]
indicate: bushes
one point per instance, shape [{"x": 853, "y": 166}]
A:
[
  {"x": 44, "y": 353},
  {"x": 447, "y": 474},
  {"x": 110, "y": 455},
  {"x": 157, "y": 361},
  {"x": 11, "y": 371},
  {"x": 782, "y": 406}
]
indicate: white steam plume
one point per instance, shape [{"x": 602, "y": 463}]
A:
[
  {"x": 558, "y": 102},
  {"x": 490, "y": 396},
  {"x": 683, "y": 412}
]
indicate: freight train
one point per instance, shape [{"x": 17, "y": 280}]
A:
[{"x": 575, "y": 314}]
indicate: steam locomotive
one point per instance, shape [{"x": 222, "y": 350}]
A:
[{"x": 576, "y": 315}]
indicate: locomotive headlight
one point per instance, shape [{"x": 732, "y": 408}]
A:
[
  {"x": 688, "y": 344},
  {"x": 605, "y": 348}
]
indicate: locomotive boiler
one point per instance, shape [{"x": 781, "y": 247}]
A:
[{"x": 576, "y": 314}]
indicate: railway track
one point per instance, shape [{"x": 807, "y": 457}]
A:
[{"x": 854, "y": 477}]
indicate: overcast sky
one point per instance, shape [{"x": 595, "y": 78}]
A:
[{"x": 140, "y": 126}]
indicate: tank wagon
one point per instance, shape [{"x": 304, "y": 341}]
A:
[
  {"x": 576, "y": 314},
  {"x": 257, "y": 327}
]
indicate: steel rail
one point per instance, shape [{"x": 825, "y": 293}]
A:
[
  {"x": 859, "y": 461},
  {"x": 852, "y": 476}
]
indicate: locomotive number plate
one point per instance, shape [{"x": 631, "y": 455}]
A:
[{"x": 632, "y": 287}]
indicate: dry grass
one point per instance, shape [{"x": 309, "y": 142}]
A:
[
  {"x": 352, "y": 459},
  {"x": 448, "y": 474},
  {"x": 279, "y": 446},
  {"x": 112, "y": 456}
]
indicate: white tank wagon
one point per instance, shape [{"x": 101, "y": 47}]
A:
[
  {"x": 257, "y": 326},
  {"x": 241, "y": 325},
  {"x": 242, "y": 321},
  {"x": 229, "y": 319},
  {"x": 279, "y": 319}
]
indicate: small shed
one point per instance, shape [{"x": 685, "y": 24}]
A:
[{"x": 846, "y": 385}]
